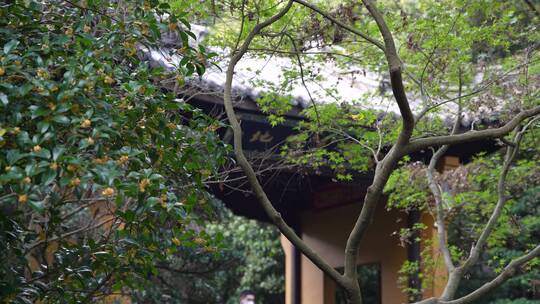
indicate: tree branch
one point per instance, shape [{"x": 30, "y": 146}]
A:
[
  {"x": 508, "y": 272},
  {"x": 454, "y": 274},
  {"x": 246, "y": 167},
  {"x": 341, "y": 24},
  {"x": 65, "y": 235},
  {"x": 384, "y": 168},
  {"x": 396, "y": 78},
  {"x": 510, "y": 155},
  {"x": 423, "y": 143}
]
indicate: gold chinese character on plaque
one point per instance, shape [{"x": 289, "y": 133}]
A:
[{"x": 261, "y": 137}]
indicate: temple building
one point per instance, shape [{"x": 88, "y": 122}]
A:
[{"x": 321, "y": 210}]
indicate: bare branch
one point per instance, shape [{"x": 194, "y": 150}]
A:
[
  {"x": 247, "y": 168},
  {"x": 533, "y": 8},
  {"x": 396, "y": 78},
  {"x": 423, "y": 143},
  {"x": 478, "y": 89},
  {"x": 384, "y": 168},
  {"x": 511, "y": 153},
  {"x": 65, "y": 235},
  {"x": 508, "y": 272},
  {"x": 439, "y": 209},
  {"x": 341, "y": 24},
  {"x": 302, "y": 78},
  {"x": 454, "y": 275}
]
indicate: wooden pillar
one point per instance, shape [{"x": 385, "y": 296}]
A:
[
  {"x": 440, "y": 274},
  {"x": 289, "y": 268}
]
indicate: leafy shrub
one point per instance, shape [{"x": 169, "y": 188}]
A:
[{"x": 102, "y": 171}]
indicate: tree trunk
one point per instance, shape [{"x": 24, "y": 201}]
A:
[
  {"x": 353, "y": 293},
  {"x": 354, "y": 297}
]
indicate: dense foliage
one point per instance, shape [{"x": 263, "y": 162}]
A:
[
  {"x": 250, "y": 258},
  {"x": 466, "y": 65},
  {"x": 481, "y": 50},
  {"x": 102, "y": 171},
  {"x": 471, "y": 195}
]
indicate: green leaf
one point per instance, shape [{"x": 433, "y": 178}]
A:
[
  {"x": 48, "y": 177},
  {"x": 4, "y": 99},
  {"x": 57, "y": 152},
  {"x": 39, "y": 111},
  {"x": 8, "y": 47},
  {"x": 61, "y": 119},
  {"x": 43, "y": 126},
  {"x": 43, "y": 153},
  {"x": 12, "y": 156},
  {"x": 38, "y": 206}
]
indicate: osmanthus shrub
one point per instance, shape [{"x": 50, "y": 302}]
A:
[{"x": 102, "y": 171}]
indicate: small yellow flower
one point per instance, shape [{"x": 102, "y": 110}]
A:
[
  {"x": 122, "y": 160},
  {"x": 8, "y": 168},
  {"x": 107, "y": 192},
  {"x": 27, "y": 180},
  {"x": 76, "y": 109},
  {"x": 199, "y": 241},
  {"x": 101, "y": 161},
  {"x": 87, "y": 29},
  {"x": 75, "y": 182},
  {"x": 90, "y": 140},
  {"x": 23, "y": 198},
  {"x": 163, "y": 200},
  {"x": 209, "y": 249},
  {"x": 171, "y": 126},
  {"x": 36, "y": 148},
  {"x": 2, "y": 71},
  {"x": 143, "y": 184},
  {"x": 108, "y": 80},
  {"x": 42, "y": 73},
  {"x": 53, "y": 166},
  {"x": 69, "y": 32},
  {"x": 86, "y": 123},
  {"x": 176, "y": 241},
  {"x": 172, "y": 26},
  {"x": 15, "y": 130},
  {"x": 72, "y": 168},
  {"x": 51, "y": 106}
]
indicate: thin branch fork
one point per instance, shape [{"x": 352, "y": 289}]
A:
[
  {"x": 509, "y": 271},
  {"x": 248, "y": 170},
  {"x": 457, "y": 273},
  {"x": 384, "y": 168},
  {"x": 436, "y": 190},
  {"x": 424, "y": 143},
  {"x": 341, "y": 24},
  {"x": 510, "y": 155},
  {"x": 67, "y": 234}
]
